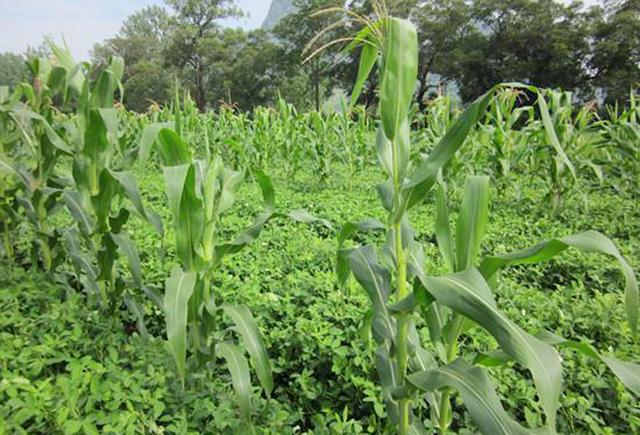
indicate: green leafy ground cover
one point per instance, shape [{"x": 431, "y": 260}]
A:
[{"x": 65, "y": 368}]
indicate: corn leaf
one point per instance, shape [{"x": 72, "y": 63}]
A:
[
  {"x": 426, "y": 174},
  {"x": 74, "y": 203},
  {"x": 478, "y": 394},
  {"x": 387, "y": 372},
  {"x": 627, "y": 372},
  {"x": 148, "y": 139},
  {"x": 126, "y": 245},
  {"x": 368, "y": 57},
  {"x": 443, "y": 229},
  {"x": 266, "y": 187},
  {"x": 469, "y": 294},
  {"x": 246, "y": 326},
  {"x": 187, "y": 209},
  {"x": 399, "y": 74},
  {"x": 239, "y": 369},
  {"x": 587, "y": 241},
  {"x": 130, "y": 187},
  {"x": 178, "y": 289},
  {"x": 247, "y": 236},
  {"x": 472, "y": 221},
  {"x": 173, "y": 150},
  {"x": 377, "y": 283}
]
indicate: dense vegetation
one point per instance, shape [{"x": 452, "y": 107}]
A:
[{"x": 149, "y": 287}]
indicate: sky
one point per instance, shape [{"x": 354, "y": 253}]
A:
[{"x": 24, "y": 23}]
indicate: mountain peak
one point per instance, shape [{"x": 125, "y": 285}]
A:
[{"x": 277, "y": 10}]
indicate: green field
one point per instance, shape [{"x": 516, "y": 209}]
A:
[{"x": 113, "y": 323}]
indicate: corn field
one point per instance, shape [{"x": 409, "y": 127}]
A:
[{"x": 462, "y": 269}]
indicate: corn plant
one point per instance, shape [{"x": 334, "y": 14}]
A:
[
  {"x": 319, "y": 144},
  {"x": 507, "y": 142},
  {"x": 200, "y": 193},
  {"x": 263, "y": 137},
  {"x": 619, "y": 138},
  {"x": 31, "y": 149},
  {"x": 395, "y": 278},
  {"x": 557, "y": 131},
  {"x": 349, "y": 132},
  {"x": 460, "y": 251},
  {"x": 433, "y": 123},
  {"x": 96, "y": 198},
  {"x": 9, "y": 135},
  {"x": 291, "y": 149}
]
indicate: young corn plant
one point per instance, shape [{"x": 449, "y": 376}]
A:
[
  {"x": 9, "y": 137},
  {"x": 291, "y": 149},
  {"x": 396, "y": 281},
  {"x": 460, "y": 251},
  {"x": 352, "y": 136},
  {"x": 619, "y": 139},
  {"x": 558, "y": 132},
  {"x": 200, "y": 192},
  {"x": 508, "y": 143},
  {"x": 319, "y": 150}
]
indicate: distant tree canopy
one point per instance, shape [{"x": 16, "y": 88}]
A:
[
  {"x": 13, "y": 69},
  {"x": 472, "y": 43}
]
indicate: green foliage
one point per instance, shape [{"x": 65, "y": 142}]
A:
[
  {"x": 13, "y": 70},
  {"x": 457, "y": 346},
  {"x": 451, "y": 305}
]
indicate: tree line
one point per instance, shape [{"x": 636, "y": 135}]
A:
[{"x": 592, "y": 49}]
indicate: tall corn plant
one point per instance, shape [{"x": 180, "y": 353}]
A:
[
  {"x": 29, "y": 154},
  {"x": 395, "y": 276},
  {"x": 102, "y": 196}
]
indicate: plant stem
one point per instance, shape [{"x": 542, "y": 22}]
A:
[
  {"x": 445, "y": 400},
  {"x": 445, "y": 412},
  {"x": 46, "y": 253},
  {"x": 7, "y": 244},
  {"x": 403, "y": 328}
]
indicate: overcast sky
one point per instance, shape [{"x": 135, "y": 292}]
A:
[{"x": 23, "y": 23}]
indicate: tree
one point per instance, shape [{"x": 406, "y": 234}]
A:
[
  {"x": 140, "y": 42},
  {"x": 441, "y": 27},
  {"x": 13, "y": 69},
  {"x": 295, "y": 31},
  {"x": 615, "y": 60},
  {"x": 253, "y": 76},
  {"x": 542, "y": 42},
  {"x": 193, "y": 35}
]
